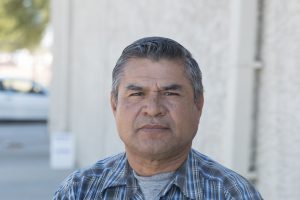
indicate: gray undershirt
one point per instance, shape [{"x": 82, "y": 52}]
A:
[{"x": 152, "y": 186}]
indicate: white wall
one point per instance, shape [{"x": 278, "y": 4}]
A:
[
  {"x": 90, "y": 35},
  {"x": 98, "y": 32},
  {"x": 279, "y": 106}
]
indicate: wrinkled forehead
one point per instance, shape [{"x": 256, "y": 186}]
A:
[
  {"x": 149, "y": 73},
  {"x": 178, "y": 60},
  {"x": 155, "y": 69}
]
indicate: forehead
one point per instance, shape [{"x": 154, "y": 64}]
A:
[{"x": 147, "y": 70}]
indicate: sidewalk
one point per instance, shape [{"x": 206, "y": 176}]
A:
[{"x": 25, "y": 173}]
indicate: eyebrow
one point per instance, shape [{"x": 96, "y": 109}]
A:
[
  {"x": 168, "y": 87},
  {"x": 134, "y": 87},
  {"x": 172, "y": 87}
]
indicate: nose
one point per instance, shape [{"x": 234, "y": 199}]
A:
[{"x": 154, "y": 106}]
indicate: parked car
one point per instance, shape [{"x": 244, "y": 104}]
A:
[{"x": 22, "y": 99}]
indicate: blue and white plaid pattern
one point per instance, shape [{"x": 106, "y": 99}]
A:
[{"x": 199, "y": 178}]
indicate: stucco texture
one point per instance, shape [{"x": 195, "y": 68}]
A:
[
  {"x": 99, "y": 32},
  {"x": 278, "y": 150}
]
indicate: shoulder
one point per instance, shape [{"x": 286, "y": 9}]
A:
[
  {"x": 100, "y": 168},
  {"x": 81, "y": 181},
  {"x": 234, "y": 186}
]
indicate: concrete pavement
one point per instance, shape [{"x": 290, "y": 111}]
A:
[{"x": 25, "y": 173}]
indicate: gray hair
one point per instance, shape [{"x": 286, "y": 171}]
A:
[{"x": 156, "y": 48}]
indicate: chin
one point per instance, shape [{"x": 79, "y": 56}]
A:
[{"x": 155, "y": 150}]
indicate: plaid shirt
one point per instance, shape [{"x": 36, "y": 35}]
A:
[{"x": 199, "y": 178}]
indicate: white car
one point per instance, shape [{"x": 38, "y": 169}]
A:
[{"x": 22, "y": 99}]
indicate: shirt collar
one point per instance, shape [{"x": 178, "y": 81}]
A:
[
  {"x": 121, "y": 174},
  {"x": 187, "y": 177}
]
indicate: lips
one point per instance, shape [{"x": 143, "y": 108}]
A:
[{"x": 154, "y": 127}]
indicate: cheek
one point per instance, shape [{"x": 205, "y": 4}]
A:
[
  {"x": 185, "y": 116},
  {"x": 126, "y": 115}
]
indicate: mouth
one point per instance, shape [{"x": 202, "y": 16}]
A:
[{"x": 153, "y": 128}]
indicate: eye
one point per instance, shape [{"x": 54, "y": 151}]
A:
[
  {"x": 136, "y": 94},
  {"x": 171, "y": 94}
]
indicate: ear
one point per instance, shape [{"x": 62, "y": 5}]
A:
[
  {"x": 199, "y": 103},
  {"x": 113, "y": 103}
]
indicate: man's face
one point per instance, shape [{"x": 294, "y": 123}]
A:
[{"x": 156, "y": 114}]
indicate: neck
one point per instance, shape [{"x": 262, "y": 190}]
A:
[{"x": 149, "y": 166}]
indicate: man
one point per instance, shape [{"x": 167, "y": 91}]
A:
[{"x": 157, "y": 100}]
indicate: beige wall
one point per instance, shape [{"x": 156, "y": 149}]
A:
[
  {"x": 98, "y": 32},
  {"x": 279, "y": 103},
  {"x": 90, "y": 35}
]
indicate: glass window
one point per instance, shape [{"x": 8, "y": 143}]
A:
[
  {"x": 21, "y": 86},
  {"x": 1, "y": 86}
]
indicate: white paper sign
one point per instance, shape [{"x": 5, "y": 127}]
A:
[{"x": 62, "y": 148}]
